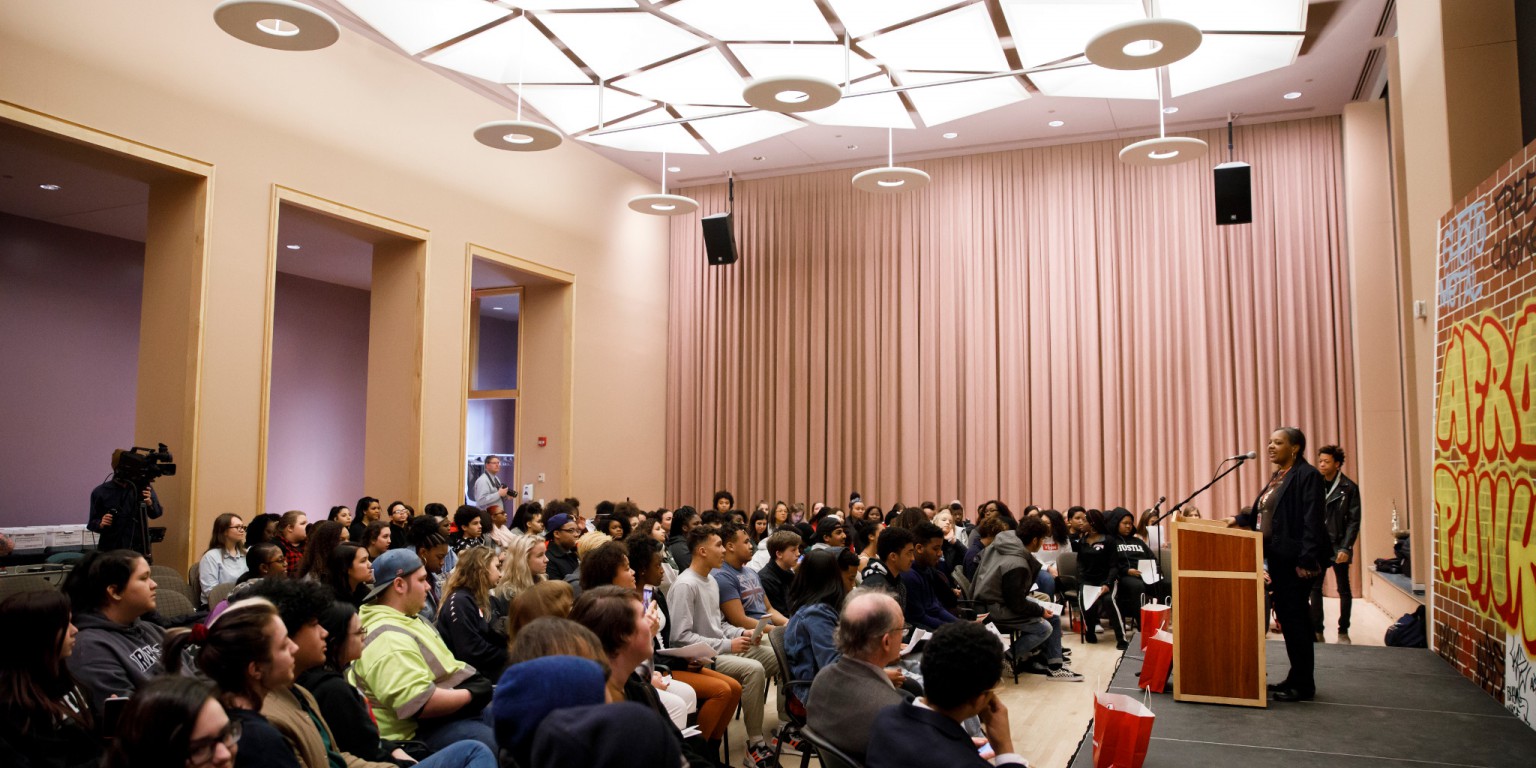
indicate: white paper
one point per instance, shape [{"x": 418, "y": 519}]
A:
[
  {"x": 762, "y": 624},
  {"x": 1091, "y": 595},
  {"x": 691, "y": 731},
  {"x": 918, "y": 635},
  {"x": 700, "y": 651},
  {"x": 1056, "y": 609},
  {"x": 1148, "y": 570}
]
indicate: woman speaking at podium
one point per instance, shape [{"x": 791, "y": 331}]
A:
[{"x": 1289, "y": 514}]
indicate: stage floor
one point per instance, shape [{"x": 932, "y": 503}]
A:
[{"x": 1376, "y": 707}]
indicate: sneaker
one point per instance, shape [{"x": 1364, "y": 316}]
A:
[
  {"x": 1034, "y": 667},
  {"x": 759, "y": 756},
  {"x": 1063, "y": 675},
  {"x": 1344, "y": 638},
  {"x": 788, "y": 739}
]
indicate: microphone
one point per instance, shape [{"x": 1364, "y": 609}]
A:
[{"x": 1244, "y": 456}]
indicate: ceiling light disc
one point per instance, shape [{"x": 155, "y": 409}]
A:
[
  {"x": 791, "y": 93},
  {"x": 1169, "y": 40},
  {"x": 297, "y": 26},
  {"x": 891, "y": 178},
  {"x": 663, "y": 205},
  {"x": 1169, "y": 150},
  {"x": 517, "y": 136}
]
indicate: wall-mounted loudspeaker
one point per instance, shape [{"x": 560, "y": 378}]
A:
[
  {"x": 719, "y": 240},
  {"x": 1234, "y": 201}
]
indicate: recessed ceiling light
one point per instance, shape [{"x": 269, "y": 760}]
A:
[
  {"x": 674, "y": 169},
  {"x": 282, "y": 24},
  {"x": 294, "y": 246},
  {"x": 1293, "y": 95},
  {"x": 757, "y": 157},
  {"x": 498, "y": 309},
  {"x": 49, "y": 187},
  {"x": 951, "y": 135},
  {"x": 1170, "y": 110},
  {"x": 1056, "y": 123},
  {"x": 853, "y": 146}
]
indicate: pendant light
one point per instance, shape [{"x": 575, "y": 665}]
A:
[
  {"x": 1143, "y": 43},
  {"x": 793, "y": 93},
  {"x": 1165, "y": 149},
  {"x": 283, "y": 25},
  {"x": 892, "y": 177},
  {"x": 663, "y": 204},
  {"x": 518, "y": 135}
]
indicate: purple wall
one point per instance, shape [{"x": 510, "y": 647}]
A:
[
  {"x": 316, "y": 423},
  {"x": 69, "y": 342}
]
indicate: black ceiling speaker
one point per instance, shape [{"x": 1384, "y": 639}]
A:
[
  {"x": 719, "y": 240},
  {"x": 719, "y": 235},
  {"x": 1234, "y": 198}
]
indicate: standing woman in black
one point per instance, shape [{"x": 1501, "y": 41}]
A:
[
  {"x": 1290, "y": 516},
  {"x": 1098, "y": 565}
]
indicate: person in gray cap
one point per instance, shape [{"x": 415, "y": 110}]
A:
[{"x": 417, "y": 689}]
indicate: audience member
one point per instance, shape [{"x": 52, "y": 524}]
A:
[
  {"x": 467, "y": 621},
  {"x": 896, "y": 549},
  {"x": 417, "y": 689},
  {"x": 263, "y": 561},
  {"x": 783, "y": 549},
  {"x": 400, "y": 514},
  {"x": 523, "y": 565},
  {"x": 260, "y": 530},
  {"x": 339, "y": 701},
  {"x": 910, "y": 518},
  {"x": 377, "y": 538},
  {"x": 546, "y": 598},
  {"x": 529, "y": 519},
  {"x": 499, "y": 535},
  {"x": 367, "y": 511},
  {"x": 1132, "y": 550},
  {"x": 695, "y": 601},
  {"x": 349, "y": 573},
  {"x": 174, "y": 721},
  {"x": 531, "y": 689},
  {"x": 605, "y": 736},
  {"x": 953, "y": 550},
  {"x": 1003, "y": 584},
  {"x": 429, "y": 544},
  {"x": 742, "y": 599},
  {"x": 470, "y": 522},
  {"x": 1057, "y": 540},
  {"x": 321, "y": 543},
  {"x": 562, "y": 534},
  {"x": 1098, "y": 564},
  {"x": 45, "y": 716},
  {"x": 245, "y": 652},
  {"x": 830, "y": 534},
  {"x": 553, "y": 635},
  {"x": 292, "y": 531},
  {"x": 1077, "y": 527},
  {"x": 343, "y": 515},
  {"x": 116, "y": 650},
  {"x": 961, "y": 663},
  {"x": 815, "y": 597},
  {"x": 224, "y": 561},
  {"x": 923, "y": 582},
  {"x": 848, "y": 694},
  {"x": 683, "y": 520},
  {"x": 617, "y": 528},
  {"x": 985, "y": 531}
]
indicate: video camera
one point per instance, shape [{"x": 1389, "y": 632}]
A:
[{"x": 140, "y": 466}]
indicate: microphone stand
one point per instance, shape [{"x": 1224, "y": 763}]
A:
[{"x": 1202, "y": 489}]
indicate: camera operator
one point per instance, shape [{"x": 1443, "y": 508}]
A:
[{"x": 122, "y": 506}]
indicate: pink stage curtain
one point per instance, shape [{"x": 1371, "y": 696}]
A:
[{"x": 1043, "y": 326}]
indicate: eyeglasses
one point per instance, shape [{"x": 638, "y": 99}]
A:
[
  {"x": 200, "y": 751},
  {"x": 565, "y": 530},
  {"x": 237, "y": 527}
]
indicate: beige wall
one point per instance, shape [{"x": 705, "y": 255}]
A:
[{"x": 362, "y": 126}]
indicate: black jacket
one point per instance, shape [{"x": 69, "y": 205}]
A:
[
  {"x": 1341, "y": 513},
  {"x": 561, "y": 563},
  {"x": 912, "y": 737},
  {"x": 346, "y": 712},
  {"x": 470, "y": 636},
  {"x": 128, "y": 529},
  {"x": 59, "y": 743},
  {"x": 1297, "y": 535}
]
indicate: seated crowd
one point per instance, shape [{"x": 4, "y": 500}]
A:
[{"x": 387, "y": 638}]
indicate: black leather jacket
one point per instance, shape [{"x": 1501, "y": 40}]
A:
[{"x": 1341, "y": 513}]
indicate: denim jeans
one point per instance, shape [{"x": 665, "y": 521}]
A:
[
  {"x": 464, "y": 754},
  {"x": 1038, "y": 633},
  {"x": 440, "y": 734}
]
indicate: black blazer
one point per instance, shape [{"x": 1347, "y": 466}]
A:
[
  {"x": 908, "y": 736},
  {"x": 1297, "y": 534}
]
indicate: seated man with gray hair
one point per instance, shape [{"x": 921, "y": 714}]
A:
[{"x": 847, "y": 695}]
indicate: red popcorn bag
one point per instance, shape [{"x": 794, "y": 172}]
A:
[
  {"x": 1154, "y": 617},
  {"x": 1157, "y": 662},
  {"x": 1122, "y": 728}
]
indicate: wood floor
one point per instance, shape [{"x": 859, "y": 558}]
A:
[{"x": 1049, "y": 718}]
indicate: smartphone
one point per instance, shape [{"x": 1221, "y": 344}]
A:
[
  {"x": 645, "y": 599},
  {"x": 986, "y": 751}
]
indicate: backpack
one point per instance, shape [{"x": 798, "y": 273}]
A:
[{"x": 1409, "y": 631}]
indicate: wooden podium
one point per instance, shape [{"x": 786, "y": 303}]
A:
[{"x": 1218, "y": 614}]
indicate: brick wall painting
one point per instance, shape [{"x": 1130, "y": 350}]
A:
[{"x": 1484, "y": 622}]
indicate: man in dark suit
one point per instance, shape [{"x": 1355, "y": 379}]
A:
[
  {"x": 1341, "y": 518},
  {"x": 961, "y": 663},
  {"x": 1289, "y": 512},
  {"x": 849, "y": 693}
]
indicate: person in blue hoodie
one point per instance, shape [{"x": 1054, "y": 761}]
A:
[{"x": 116, "y": 650}]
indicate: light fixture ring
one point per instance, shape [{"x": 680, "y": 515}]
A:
[
  {"x": 1168, "y": 150},
  {"x": 250, "y": 20},
  {"x": 518, "y": 136},
  {"x": 890, "y": 178},
  {"x": 663, "y": 205},
  {"x": 791, "y": 93},
  {"x": 1173, "y": 40}
]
